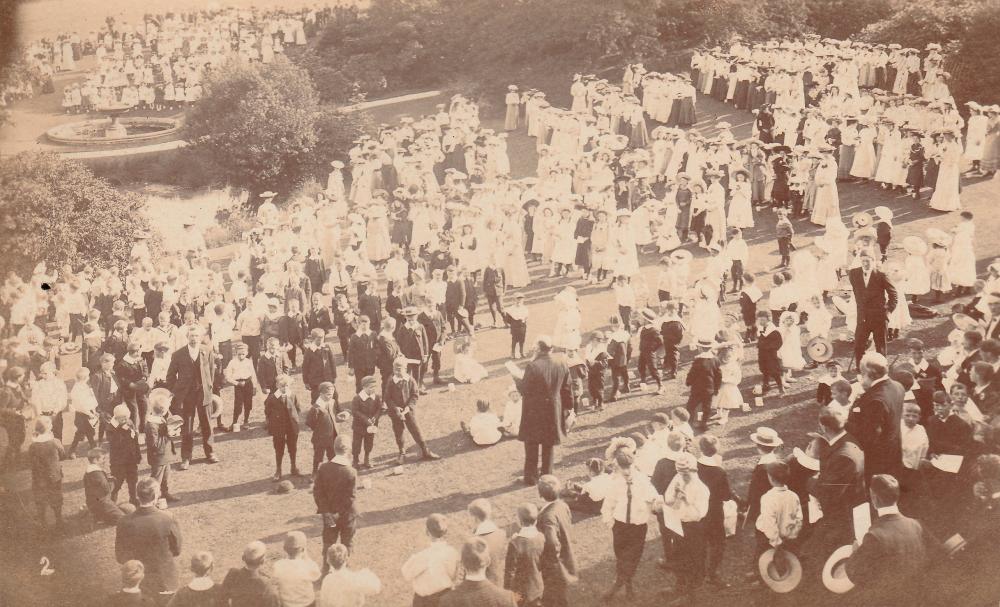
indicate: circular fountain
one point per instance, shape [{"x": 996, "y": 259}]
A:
[{"x": 114, "y": 129}]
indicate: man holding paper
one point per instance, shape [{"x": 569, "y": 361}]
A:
[
  {"x": 892, "y": 554},
  {"x": 874, "y": 419}
]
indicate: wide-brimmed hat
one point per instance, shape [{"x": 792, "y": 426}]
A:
[
  {"x": 682, "y": 255},
  {"x": 914, "y": 245},
  {"x": 834, "y": 574},
  {"x": 780, "y": 574},
  {"x": 964, "y": 322},
  {"x": 883, "y": 213},
  {"x": 410, "y": 311},
  {"x": 938, "y": 237},
  {"x": 805, "y": 460},
  {"x": 820, "y": 349},
  {"x": 766, "y": 437},
  {"x": 648, "y": 315}
]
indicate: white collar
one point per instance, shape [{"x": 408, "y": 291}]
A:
[
  {"x": 135, "y": 590},
  {"x": 485, "y": 527},
  {"x": 94, "y": 468},
  {"x": 43, "y": 438},
  {"x": 527, "y": 532},
  {"x": 130, "y": 359},
  {"x": 877, "y": 381},
  {"x": 341, "y": 459},
  {"x": 715, "y": 460},
  {"x": 830, "y": 441},
  {"x": 887, "y": 510},
  {"x": 364, "y": 395},
  {"x": 201, "y": 583},
  {"x": 768, "y": 458},
  {"x": 479, "y": 576}
]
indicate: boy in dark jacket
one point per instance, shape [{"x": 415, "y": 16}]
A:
[
  {"x": 768, "y": 360},
  {"x": 522, "y": 570},
  {"x": 270, "y": 365},
  {"x": 366, "y": 409},
  {"x": 784, "y": 232},
  {"x": 671, "y": 332},
  {"x": 123, "y": 440},
  {"x": 494, "y": 285},
  {"x": 597, "y": 362},
  {"x": 322, "y": 420},
  {"x": 160, "y": 448},
  {"x": 620, "y": 350},
  {"x": 704, "y": 378},
  {"x": 649, "y": 342},
  {"x": 44, "y": 455},
  {"x": 318, "y": 363},
  {"x": 97, "y": 489}
]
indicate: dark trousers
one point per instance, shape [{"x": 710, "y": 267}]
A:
[
  {"x": 670, "y": 356},
  {"x": 362, "y": 437},
  {"x": 517, "y": 341},
  {"x": 408, "y": 422},
  {"x": 161, "y": 474},
  {"x": 435, "y": 364},
  {"x": 670, "y": 542},
  {"x": 137, "y": 404},
  {"x": 619, "y": 380},
  {"x": 281, "y": 441},
  {"x": 767, "y": 374},
  {"x": 253, "y": 347},
  {"x": 128, "y": 475},
  {"x": 321, "y": 450},
  {"x": 737, "y": 274},
  {"x": 715, "y": 543},
  {"x": 691, "y": 561},
  {"x": 785, "y": 249},
  {"x": 340, "y": 533},
  {"x": 531, "y": 459},
  {"x": 554, "y": 593},
  {"x": 628, "y": 541},
  {"x": 701, "y": 402},
  {"x": 869, "y": 326},
  {"x": 647, "y": 366},
  {"x": 193, "y": 408},
  {"x": 242, "y": 401},
  {"x": 416, "y": 370},
  {"x": 625, "y": 313}
]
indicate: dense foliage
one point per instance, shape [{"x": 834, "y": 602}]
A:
[
  {"x": 262, "y": 127},
  {"x": 57, "y": 211}
]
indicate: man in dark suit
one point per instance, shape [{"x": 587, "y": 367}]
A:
[
  {"x": 105, "y": 386},
  {"x": 454, "y": 299},
  {"x": 282, "y": 413},
  {"x": 322, "y": 420},
  {"x": 841, "y": 484},
  {"x": 711, "y": 472},
  {"x": 874, "y": 419},
  {"x": 558, "y": 564},
  {"x": 546, "y": 398},
  {"x": 133, "y": 373},
  {"x": 986, "y": 388},
  {"x": 386, "y": 350},
  {"x": 152, "y": 537},
  {"x": 369, "y": 305},
  {"x": 334, "y": 493},
  {"x": 414, "y": 344},
  {"x": 971, "y": 341},
  {"x": 887, "y": 566},
  {"x": 476, "y": 590},
  {"x": 434, "y": 326},
  {"x": 190, "y": 377},
  {"x": 876, "y": 298},
  {"x": 992, "y": 329}
]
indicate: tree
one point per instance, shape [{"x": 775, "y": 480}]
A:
[
  {"x": 842, "y": 19},
  {"x": 259, "y": 125},
  {"x": 974, "y": 69},
  {"x": 57, "y": 211}
]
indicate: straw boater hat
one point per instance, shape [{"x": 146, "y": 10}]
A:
[
  {"x": 883, "y": 213},
  {"x": 337, "y": 164},
  {"x": 914, "y": 245},
  {"x": 780, "y": 570},
  {"x": 267, "y": 195},
  {"x": 410, "y": 311},
  {"x": 764, "y": 436},
  {"x": 834, "y": 574}
]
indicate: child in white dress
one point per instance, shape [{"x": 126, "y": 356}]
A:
[
  {"x": 729, "y": 396},
  {"x": 791, "y": 345}
]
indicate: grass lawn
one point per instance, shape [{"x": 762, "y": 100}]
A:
[{"x": 229, "y": 504}]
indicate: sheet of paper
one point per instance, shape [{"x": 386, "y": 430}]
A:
[
  {"x": 514, "y": 370},
  {"x": 948, "y": 463},
  {"x": 815, "y": 512},
  {"x": 973, "y": 411},
  {"x": 671, "y": 521},
  {"x": 862, "y": 520},
  {"x": 437, "y": 347}
]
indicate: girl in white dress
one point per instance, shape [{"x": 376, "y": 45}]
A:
[
  {"x": 740, "y": 209},
  {"x": 512, "y": 260},
  {"x": 623, "y": 256},
  {"x": 640, "y": 223},
  {"x": 790, "y": 352},
  {"x": 827, "y": 195},
  {"x": 946, "y": 190},
  {"x": 377, "y": 237},
  {"x": 899, "y": 318},
  {"x": 566, "y": 332},
  {"x": 564, "y": 251},
  {"x": 864, "y": 152},
  {"x": 729, "y": 396},
  {"x": 918, "y": 277},
  {"x": 666, "y": 231}
]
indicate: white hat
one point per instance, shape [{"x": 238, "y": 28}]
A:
[
  {"x": 780, "y": 579},
  {"x": 834, "y": 575},
  {"x": 337, "y": 164},
  {"x": 766, "y": 437},
  {"x": 883, "y": 213}
]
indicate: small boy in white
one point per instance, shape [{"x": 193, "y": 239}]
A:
[{"x": 484, "y": 426}]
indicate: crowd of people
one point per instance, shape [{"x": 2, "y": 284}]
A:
[
  {"x": 387, "y": 267},
  {"x": 159, "y": 62}
]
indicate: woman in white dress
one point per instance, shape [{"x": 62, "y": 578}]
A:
[
  {"x": 706, "y": 317},
  {"x": 623, "y": 255},
  {"x": 918, "y": 277},
  {"x": 946, "y": 190},
  {"x": 564, "y": 251},
  {"x": 962, "y": 265},
  {"x": 863, "y": 166},
  {"x": 544, "y": 227},
  {"x": 640, "y": 223},
  {"x": 512, "y": 260},
  {"x": 740, "y": 209},
  {"x": 566, "y": 332},
  {"x": 827, "y": 196},
  {"x": 899, "y": 318},
  {"x": 600, "y": 240},
  {"x": 378, "y": 242}
]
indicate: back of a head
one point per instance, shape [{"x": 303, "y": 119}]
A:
[
  {"x": 884, "y": 489},
  {"x": 341, "y": 446},
  {"x": 675, "y": 440},
  {"x": 253, "y": 554},
  {"x": 527, "y": 514},
  {"x": 475, "y": 554},
  {"x": 201, "y": 563},
  {"x": 480, "y": 508},
  {"x": 437, "y": 526},
  {"x": 830, "y": 421},
  {"x": 147, "y": 490},
  {"x": 778, "y": 472},
  {"x": 336, "y": 556},
  {"x": 549, "y": 487},
  {"x": 708, "y": 444},
  {"x": 874, "y": 365}
]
